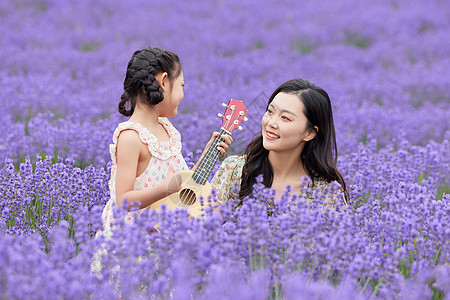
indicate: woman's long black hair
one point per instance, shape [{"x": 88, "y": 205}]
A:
[{"x": 319, "y": 156}]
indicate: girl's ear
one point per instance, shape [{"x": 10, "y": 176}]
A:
[
  {"x": 311, "y": 133},
  {"x": 163, "y": 80}
]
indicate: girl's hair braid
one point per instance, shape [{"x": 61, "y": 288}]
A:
[{"x": 140, "y": 78}]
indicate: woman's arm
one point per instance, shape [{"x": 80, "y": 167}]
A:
[{"x": 227, "y": 177}]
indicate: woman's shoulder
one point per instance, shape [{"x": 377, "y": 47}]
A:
[
  {"x": 323, "y": 184},
  {"x": 319, "y": 182},
  {"x": 230, "y": 167},
  {"x": 234, "y": 161},
  {"x": 330, "y": 190}
]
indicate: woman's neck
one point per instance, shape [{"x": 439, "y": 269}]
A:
[{"x": 286, "y": 166}]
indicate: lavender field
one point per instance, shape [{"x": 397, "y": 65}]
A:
[{"x": 385, "y": 65}]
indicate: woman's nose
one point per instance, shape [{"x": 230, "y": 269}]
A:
[{"x": 273, "y": 122}]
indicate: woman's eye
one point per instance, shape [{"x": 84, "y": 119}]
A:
[{"x": 285, "y": 118}]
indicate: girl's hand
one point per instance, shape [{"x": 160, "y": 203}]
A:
[
  {"x": 172, "y": 182},
  {"x": 222, "y": 146}
]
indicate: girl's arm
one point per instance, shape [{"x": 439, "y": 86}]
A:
[
  {"x": 222, "y": 147},
  {"x": 128, "y": 151}
]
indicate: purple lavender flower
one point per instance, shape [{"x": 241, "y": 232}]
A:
[{"x": 384, "y": 66}]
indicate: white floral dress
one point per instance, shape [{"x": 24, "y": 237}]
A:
[{"x": 164, "y": 154}]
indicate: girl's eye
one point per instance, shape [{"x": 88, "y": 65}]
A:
[
  {"x": 269, "y": 111},
  {"x": 285, "y": 118}
]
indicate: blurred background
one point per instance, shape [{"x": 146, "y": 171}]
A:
[{"x": 385, "y": 65}]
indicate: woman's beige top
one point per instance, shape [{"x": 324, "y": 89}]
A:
[{"x": 227, "y": 182}]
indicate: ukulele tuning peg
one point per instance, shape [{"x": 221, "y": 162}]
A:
[
  {"x": 224, "y": 105},
  {"x": 220, "y": 115},
  {"x": 239, "y": 128},
  {"x": 245, "y": 119}
]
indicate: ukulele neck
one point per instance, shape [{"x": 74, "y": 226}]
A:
[{"x": 207, "y": 163}]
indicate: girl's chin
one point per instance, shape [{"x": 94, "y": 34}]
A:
[{"x": 172, "y": 113}]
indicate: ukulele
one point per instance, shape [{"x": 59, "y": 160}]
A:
[{"x": 194, "y": 184}]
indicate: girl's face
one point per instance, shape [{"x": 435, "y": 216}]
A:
[
  {"x": 173, "y": 94},
  {"x": 284, "y": 125}
]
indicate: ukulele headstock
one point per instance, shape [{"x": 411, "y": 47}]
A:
[{"x": 234, "y": 115}]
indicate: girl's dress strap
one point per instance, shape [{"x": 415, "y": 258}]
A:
[{"x": 161, "y": 150}]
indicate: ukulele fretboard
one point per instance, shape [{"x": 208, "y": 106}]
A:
[{"x": 206, "y": 165}]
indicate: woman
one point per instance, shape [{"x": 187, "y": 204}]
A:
[{"x": 297, "y": 140}]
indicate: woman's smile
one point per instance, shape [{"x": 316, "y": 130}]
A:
[{"x": 271, "y": 136}]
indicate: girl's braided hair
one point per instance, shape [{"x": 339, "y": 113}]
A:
[{"x": 140, "y": 78}]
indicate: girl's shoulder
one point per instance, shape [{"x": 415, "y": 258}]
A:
[
  {"x": 165, "y": 121},
  {"x": 144, "y": 134},
  {"x": 173, "y": 132},
  {"x": 162, "y": 150}
]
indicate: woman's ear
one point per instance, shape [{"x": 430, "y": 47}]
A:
[
  {"x": 163, "y": 80},
  {"x": 311, "y": 133}
]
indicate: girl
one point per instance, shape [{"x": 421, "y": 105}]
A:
[
  {"x": 297, "y": 139},
  {"x": 146, "y": 152}
]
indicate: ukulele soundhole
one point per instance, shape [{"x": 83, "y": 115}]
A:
[{"x": 188, "y": 197}]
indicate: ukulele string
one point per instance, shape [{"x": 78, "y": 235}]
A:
[{"x": 189, "y": 198}]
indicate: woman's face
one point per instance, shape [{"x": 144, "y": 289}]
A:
[{"x": 284, "y": 125}]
